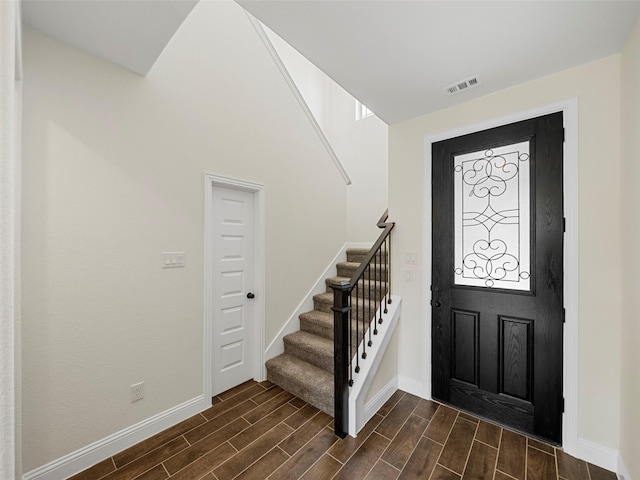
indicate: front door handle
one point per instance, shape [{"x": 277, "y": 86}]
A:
[
  {"x": 436, "y": 304},
  {"x": 250, "y": 295}
]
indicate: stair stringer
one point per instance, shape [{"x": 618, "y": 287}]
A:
[
  {"x": 358, "y": 413},
  {"x": 292, "y": 325}
]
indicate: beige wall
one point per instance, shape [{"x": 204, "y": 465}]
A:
[
  {"x": 597, "y": 88},
  {"x": 361, "y": 145},
  {"x": 114, "y": 169},
  {"x": 630, "y": 221}
]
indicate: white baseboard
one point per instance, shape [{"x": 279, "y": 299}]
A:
[
  {"x": 599, "y": 455},
  {"x": 88, "y": 456},
  {"x": 276, "y": 347},
  {"x": 379, "y": 399},
  {"x": 409, "y": 385},
  {"x": 623, "y": 473}
]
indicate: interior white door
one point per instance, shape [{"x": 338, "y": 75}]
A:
[{"x": 233, "y": 282}]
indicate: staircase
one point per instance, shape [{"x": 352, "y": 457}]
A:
[{"x": 306, "y": 368}]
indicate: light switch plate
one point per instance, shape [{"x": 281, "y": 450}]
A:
[{"x": 173, "y": 259}]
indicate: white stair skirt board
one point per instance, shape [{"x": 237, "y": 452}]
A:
[
  {"x": 380, "y": 398},
  {"x": 276, "y": 347},
  {"x": 359, "y": 415},
  {"x": 88, "y": 456}
]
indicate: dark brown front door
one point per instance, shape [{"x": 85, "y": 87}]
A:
[{"x": 497, "y": 279}]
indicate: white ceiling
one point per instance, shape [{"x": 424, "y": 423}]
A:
[
  {"x": 130, "y": 33},
  {"x": 395, "y": 56}
]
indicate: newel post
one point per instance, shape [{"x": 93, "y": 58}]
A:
[{"x": 341, "y": 309}]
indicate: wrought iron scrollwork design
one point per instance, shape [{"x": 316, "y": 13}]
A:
[{"x": 490, "y": 259}]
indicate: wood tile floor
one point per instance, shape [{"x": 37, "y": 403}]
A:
[{"x": 257, "y": 431}]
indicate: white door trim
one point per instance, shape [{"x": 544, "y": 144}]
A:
[
  {"x": 258, "y": 190},
  {"x": 570, "y": 171}
]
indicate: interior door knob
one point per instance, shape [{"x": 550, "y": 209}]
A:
[
  {"x": 250, "y": 295},
  {"x": 436, "y": 303}
]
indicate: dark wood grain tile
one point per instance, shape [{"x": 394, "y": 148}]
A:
[
  {"x": 156, "y": 473},
  {"x": 306, "y": 432},
  {"x": 512, "y": 454},
  {"x": 489, "y": 433},
  {"x": 598, "y": 473},
  {"x": 468, "y": 417},
  {"x": 481, "y": 463},
  {"x": 256, "y": 430},
  {"x": 206, "y": 463},
  {"x": 383, "y": 471},
  {"x": 359, "y": 465},
  {"x": 218, "y": 422},
  {"x": 232, "y": 392},
  {"x": 323, "y": 469},
  {"x": 98, "y": 470},
  {"x": 502, "y": 476},
  {"x": 389, "y": 404},
  {"x": 456, "y": 450},
  {"x": 265, "y": 466},
  {"x": 343, "y": 449},
  {"x": 266, "y": 384},
  {"x": 441, "y": 473},
  {"x": 301, "y": 416},
  {"x": 148, "y": 461},
  {"x": 270, "y": 406},
  {"x": 545, "y": 447},
  {"x": 571, "y": 468},
  {"x": 154, "y": 442},
  {"x": 394, "y": 420},
  {"x": 204, "y": 446},
  {"x": 222, "y": 407},
  {"x": 267, "y": 395},
  {"x": 426, "y": 409},
  {"x": 280, "y": 436},
  {"x": 297, "y": 402},
  {"x": 306, "y": 456},
  {"x": 242, "y": 460},
  {"x": 441, "y": 423},
  {"x": 422, "y": 461},
  {"x": 540, "y": 465},
  {"x": 405, "y": 441}
]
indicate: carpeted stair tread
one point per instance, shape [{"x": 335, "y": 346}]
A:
[
  {"x": 308, "y": 382},
  {"x": 311, "y": 348}
]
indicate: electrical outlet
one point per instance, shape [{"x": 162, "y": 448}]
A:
[{"x": 137, "y": 392}]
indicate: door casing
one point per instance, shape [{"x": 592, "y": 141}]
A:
[
  {"x": 258, "y": 190},
  {"x": 570, "y": 185}
]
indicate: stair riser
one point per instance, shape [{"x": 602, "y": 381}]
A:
[
  {"x": 324, "y": 403},
  {"x": 360, "y": 312},
  {"x": 374, "y": 291},
  {"x": 325, "y": 332},
  {"x": 359, "y": 257},
  {"x": 371, "y": 274},
  {"x": 322, "y": 361}
]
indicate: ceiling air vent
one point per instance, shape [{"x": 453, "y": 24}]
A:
[{"x": 463, "y": 85}]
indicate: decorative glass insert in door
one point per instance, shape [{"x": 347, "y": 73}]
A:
[{"x": 492, "y": 214}]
